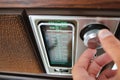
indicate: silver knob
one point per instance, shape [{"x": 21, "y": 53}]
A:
[
  {"x": 91, "y": 39},
  {"x": 89, "y": 35}
]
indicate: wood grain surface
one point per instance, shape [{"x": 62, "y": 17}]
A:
[{"x": 96, "y": 4}]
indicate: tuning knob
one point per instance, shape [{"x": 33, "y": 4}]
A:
[{"x": 89, "y": 35}]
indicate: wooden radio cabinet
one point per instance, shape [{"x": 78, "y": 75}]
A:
[{"x": 18, "y": 50}]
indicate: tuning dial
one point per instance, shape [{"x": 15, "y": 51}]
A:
[{"x": 89, "y": 35}]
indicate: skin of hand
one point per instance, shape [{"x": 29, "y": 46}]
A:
[{"x": 87, "y": 67}]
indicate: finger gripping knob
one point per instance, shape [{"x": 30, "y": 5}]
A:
[{"x": 89, "y": 35}]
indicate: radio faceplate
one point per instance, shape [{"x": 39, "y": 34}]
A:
[{"x": 50, "y": 26}]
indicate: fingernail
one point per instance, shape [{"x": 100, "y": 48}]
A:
[{"x": 104, "y": 33}]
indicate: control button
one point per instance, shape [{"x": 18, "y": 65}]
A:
[
  {"x": 89, "y": 35},
  {"x": 61, "y": 70}
]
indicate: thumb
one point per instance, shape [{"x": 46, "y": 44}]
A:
[{"x": 110, "y": 44}]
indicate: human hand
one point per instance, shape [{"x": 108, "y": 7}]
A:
[{"x": 87, "y": 68}]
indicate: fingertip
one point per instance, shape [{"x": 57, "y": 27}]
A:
[
  {"x": 90, "y": 52},
  {"x": 104, "y": 33}
]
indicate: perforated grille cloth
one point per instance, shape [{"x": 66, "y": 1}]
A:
[{"x": 16, "y": 53}]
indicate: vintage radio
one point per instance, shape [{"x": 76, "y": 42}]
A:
[{"x": 62, "y": 39}]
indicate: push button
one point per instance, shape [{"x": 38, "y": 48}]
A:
[{"x": 61, "y": 70}]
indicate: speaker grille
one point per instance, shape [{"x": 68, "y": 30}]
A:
[{"x": 16, "y": 53}]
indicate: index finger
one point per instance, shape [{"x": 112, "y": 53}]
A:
[
  {"x": 84, "y": 60},
  {"x": 82, "y": 64}
]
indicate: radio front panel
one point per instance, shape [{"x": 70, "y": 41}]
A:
[{"x": 58, "y": 39}]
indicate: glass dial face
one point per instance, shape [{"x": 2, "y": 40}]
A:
[{"x": 58, "y": 44}]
